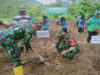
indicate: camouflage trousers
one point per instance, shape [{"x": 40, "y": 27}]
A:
[{"x": 14, "y": 54}]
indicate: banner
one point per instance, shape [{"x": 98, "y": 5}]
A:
[{"x": 56, "y": 10}]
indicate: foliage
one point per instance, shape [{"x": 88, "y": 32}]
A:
[
  {"x": 84, "y": 7},
  {"x": 9, "y": 8}
]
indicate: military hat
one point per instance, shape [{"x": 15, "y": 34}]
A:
[{"x": 60, "y": 33}]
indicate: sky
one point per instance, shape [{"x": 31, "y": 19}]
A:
[{"x": 47, "y": 1}]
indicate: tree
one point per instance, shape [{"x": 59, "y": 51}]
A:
[{"x": 83, "y": 7}]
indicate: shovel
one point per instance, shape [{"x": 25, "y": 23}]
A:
[{"x": 41, "y": 58}]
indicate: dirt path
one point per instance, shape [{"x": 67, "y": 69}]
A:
[{"x": 82, "y": 64}]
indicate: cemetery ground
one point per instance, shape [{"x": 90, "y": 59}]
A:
[{"x": 82, "y": 64}]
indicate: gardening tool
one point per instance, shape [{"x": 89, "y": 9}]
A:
[{"x": 41, "y": 58}]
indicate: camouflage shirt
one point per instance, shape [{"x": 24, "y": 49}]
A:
[
  {"x": 15, "y": 33},
  {"x": 65, "y": 44}
]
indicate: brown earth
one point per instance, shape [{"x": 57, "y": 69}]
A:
[{"x": 83, "y": 63}]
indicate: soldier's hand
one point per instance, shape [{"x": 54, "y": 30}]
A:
[{"x": 63, "y": 52}]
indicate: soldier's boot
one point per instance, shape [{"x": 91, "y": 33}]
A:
[{"x": 18, "y": 70}]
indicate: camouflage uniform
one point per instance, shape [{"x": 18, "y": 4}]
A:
[
  {"x": 63, "y": 44},
  {"x": 9, "y": 39}
]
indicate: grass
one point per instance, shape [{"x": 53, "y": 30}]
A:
[{"x": 5, "y": 19}]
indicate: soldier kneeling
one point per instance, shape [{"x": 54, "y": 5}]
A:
[{"x": 66, "y": 45}]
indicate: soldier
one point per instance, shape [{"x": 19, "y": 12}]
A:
[
  {"x": 65, "y": 45},
  {"x": 9, "y": 39}
]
